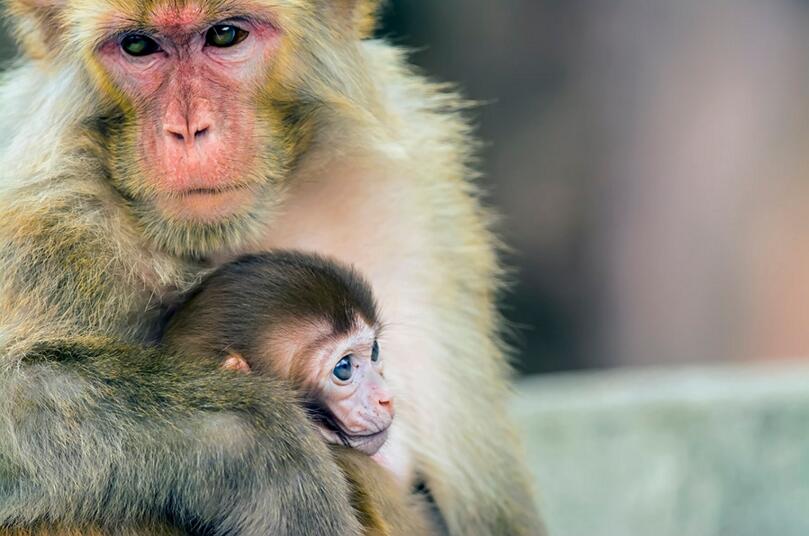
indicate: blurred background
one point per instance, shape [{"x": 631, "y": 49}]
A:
[{"x": 649, "y": 159}]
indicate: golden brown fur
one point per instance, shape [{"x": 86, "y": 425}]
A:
[
  {"x": 385, "y": 507},
  {"x": 375, "y": 171}
]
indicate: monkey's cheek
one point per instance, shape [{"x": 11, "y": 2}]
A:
[{"x": 329, "y": 435}]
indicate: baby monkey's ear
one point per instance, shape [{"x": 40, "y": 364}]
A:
[{"x": 236, "y": 363}]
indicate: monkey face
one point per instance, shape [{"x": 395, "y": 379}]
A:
[
  {"x": 211, "y": 104},
  {"x": 197, "y": 131},
  {"x": 195, "y": 145},
  {"x": 350, "y": 388}
]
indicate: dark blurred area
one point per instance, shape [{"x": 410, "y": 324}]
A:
[
  {"x": 515, "y": 59},
  {"x": 648, "y": 159}
]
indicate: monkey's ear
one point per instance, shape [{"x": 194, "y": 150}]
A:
[
  {"x": 367, "y": 17},
  {"x": 235, "y": 362},
  {"x": 363, "y": 15},
  {"x": 37, "y": 25}
]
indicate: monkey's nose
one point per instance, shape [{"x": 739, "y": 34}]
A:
[
  {"x": 386, "y": 403},
  {"x": 187, "y": 124},
  {"x": 187, "y": 133}
]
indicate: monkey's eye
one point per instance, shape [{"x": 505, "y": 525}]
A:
[
  {"x": 225, "y": 35},
  {"x": 375, "y": 352},
  {"x": 344, "y": 369},
  {"x": 136, "y": 44}
]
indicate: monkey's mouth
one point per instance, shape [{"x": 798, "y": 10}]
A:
[
  {"x": 205, "y": 204},
  {"x": 212, "y": 191},
  {"x": 333, "y": 432},
  {"x": 368, "y": 444}
]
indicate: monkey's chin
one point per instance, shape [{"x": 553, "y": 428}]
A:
[
  {"x": 205, "y": 205},
  {"x": 369, "y": 444}
]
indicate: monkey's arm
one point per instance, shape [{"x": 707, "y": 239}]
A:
[
  {"x": 140, "y": 529},
  {"x": 99, "y": 432},
  {"x": 93, "y": 431}
]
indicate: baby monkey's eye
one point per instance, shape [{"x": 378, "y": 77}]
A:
[
  {"x": 225, "y": 35},
  {"x": 375, "y": 352},
  {"x": 137, "y": 44},
  {"x": 344, "y": 369}
]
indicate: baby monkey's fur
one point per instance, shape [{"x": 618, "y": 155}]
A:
[
  {"x": 279, "y": 313},
  {"x": 236, "y": 311},
  {"x": 240, "y": 310},
  {"x": 236, "y": 307}
]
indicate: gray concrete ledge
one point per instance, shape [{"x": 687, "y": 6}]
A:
[{"x": 696, "y": 452}]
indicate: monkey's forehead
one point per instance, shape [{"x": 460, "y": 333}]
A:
[
  {"x": 303, "y": 350},
  {"x": 91, "y": 18}
]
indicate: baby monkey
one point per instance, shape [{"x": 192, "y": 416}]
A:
[
  {"x": 302, "y": 318},
  {"x": 313, "y": 322},
  {"x": 308, "y": 320}
]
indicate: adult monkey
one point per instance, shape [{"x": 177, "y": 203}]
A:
[{"x": 147, "y": 142}]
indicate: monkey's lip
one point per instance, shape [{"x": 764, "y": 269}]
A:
[
  {"x": 213, "y": 191},
  {"x": 368, "y": 444},
  {"x": 205, "y": 204}
]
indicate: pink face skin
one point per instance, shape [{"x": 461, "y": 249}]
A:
[
  {"x": 350, "y": 381},
  {"x": 193, "y": 106},
  {"x": 346, "y": 375}
]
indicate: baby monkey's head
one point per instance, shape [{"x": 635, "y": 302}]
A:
[{"x": 299, "y": 317}]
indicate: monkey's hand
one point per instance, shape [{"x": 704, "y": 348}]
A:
[{"x": 109, "y": 433}]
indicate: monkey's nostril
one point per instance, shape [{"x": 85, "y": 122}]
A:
[{"x": 187, "y": 136}]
